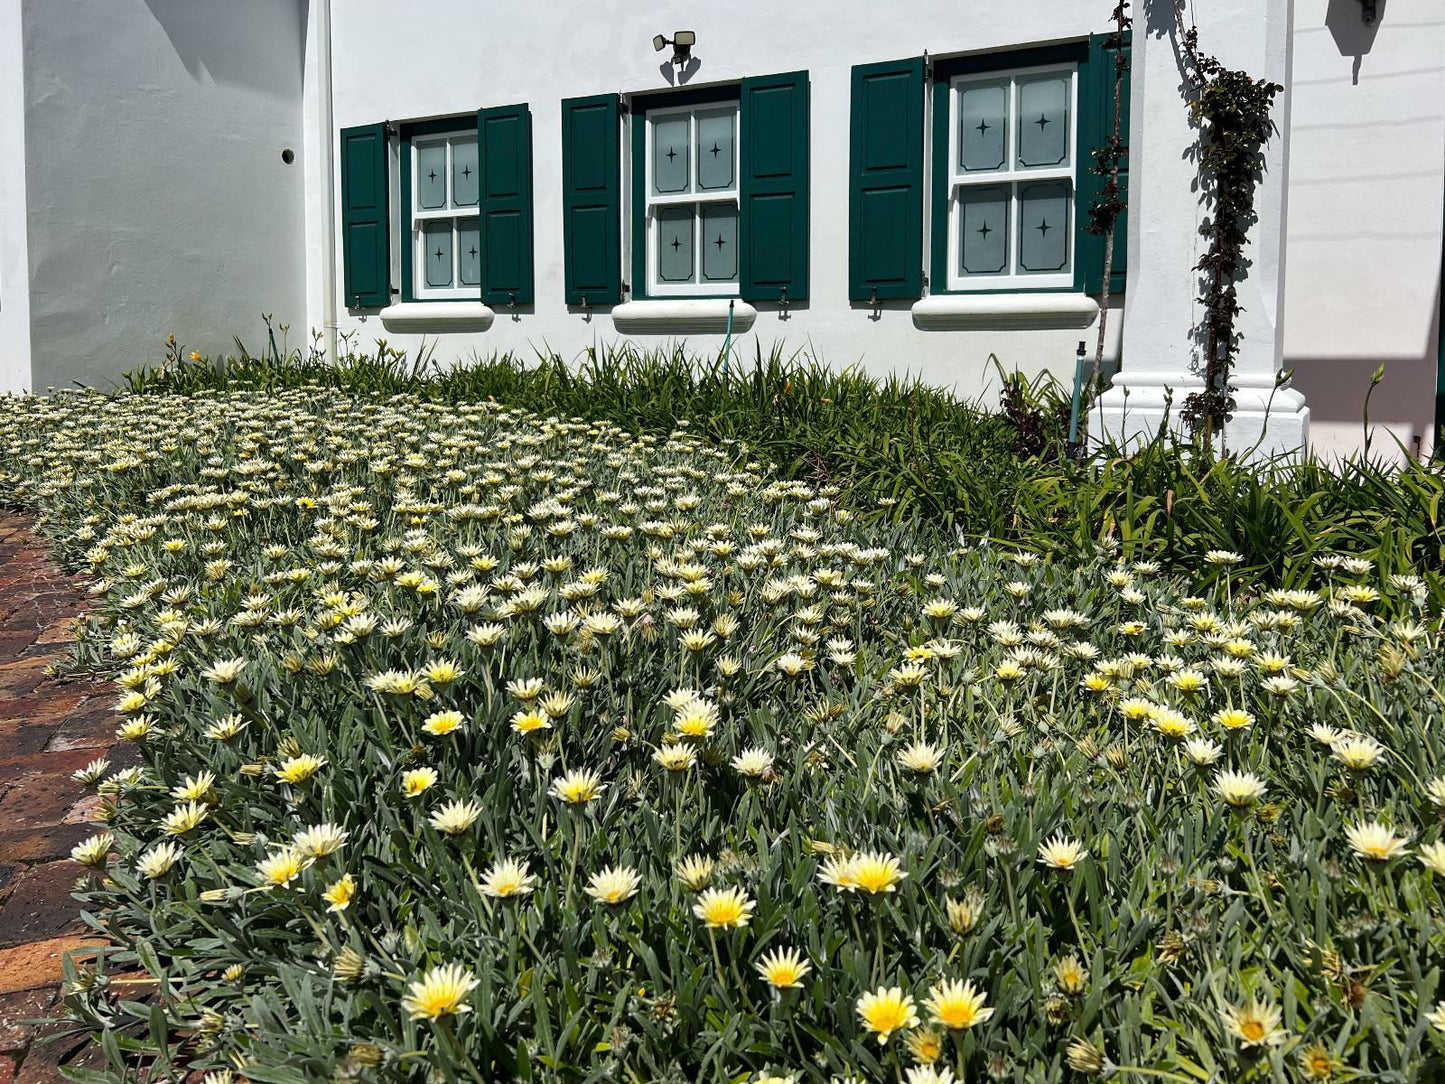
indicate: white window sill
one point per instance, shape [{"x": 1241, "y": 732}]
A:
[
  {"x": 1004, "y": 312},
  {"x": 682, "y": 316},
  {"x": 437, "y": 316}
]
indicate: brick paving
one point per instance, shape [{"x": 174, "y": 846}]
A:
[{"x": 50, "y": 725}]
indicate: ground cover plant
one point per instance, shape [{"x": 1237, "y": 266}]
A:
[
  {"x": 476, "y": 745},
  {"x": 899, "y": 449}
]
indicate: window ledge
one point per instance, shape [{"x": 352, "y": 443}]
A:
[
  {"x": 683, "y": 316},
  {"x": 1004, "y": 312},
  {"x": 437, "y": 316}
]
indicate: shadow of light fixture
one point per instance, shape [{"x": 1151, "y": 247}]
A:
[
  {"x": 1368, "y": 11},
  {"x": 682, "y": 42}
]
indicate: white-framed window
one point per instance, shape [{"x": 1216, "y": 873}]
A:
[
  {"x": 691, "y": 184},
  {"x": 445, "y": 241},
  {"x": 1012, "y": 142}
]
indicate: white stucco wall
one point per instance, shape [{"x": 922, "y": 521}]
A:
[
  {"x": 158, "y": 200},
  {"x": 1367, "y": 187},
  {"x": 452, "y": 56},
  {"x": 153, "y": 197},
  {"x": 14, "y": 272}
]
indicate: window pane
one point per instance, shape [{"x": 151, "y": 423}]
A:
[
  {"x": 469, "y": 253},
  {"x": 983, "y": 231},
  {"x": 464, "y": 173},
  {"x": 669, "y": 155},
  {"x": 715, "y": 150},
  {"x": 431, "y": 176},
  {"x": 436, "y": 238},
  {"x": 720, "y": 242},
  {"x": 982, "y": 127},
  {"x": 674, "y": 244},
  {"x": 1044, "y": 227},
  {"x": 1044, "y": 120}
]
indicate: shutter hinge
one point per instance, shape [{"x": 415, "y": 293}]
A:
[
  {"x": 927, "y": 65},
  {"x": 391, "y": 128},
  {"x": 623, "y": 109}
]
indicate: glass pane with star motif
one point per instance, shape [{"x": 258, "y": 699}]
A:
[{"x": 674, "y": 244}]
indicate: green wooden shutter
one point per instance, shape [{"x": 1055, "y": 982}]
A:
[
  {"x": 1096, "y": 125},
  {"x": 885, "y": 181},
  {"x": 774, "y": 190},
  {"x": 592, "y": 200},
  {"x": 365, "y": 217},
  {"x": 504, "y": 146}
]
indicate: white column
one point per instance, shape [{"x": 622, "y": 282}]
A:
[
  {"x": 319, "y": 164},
  {"x": 15, "y": 371},
  {"x": 1162, "y": 361}
]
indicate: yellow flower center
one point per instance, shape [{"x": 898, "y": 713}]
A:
[
  {"x": 956, "y": 1015},
  {"x": 928, "y": 1050},
  {"x": 724, "y": 912},
  {"x": 888, "y": 1016}
]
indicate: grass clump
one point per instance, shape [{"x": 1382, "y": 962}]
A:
[{"x": 470, "y": 745}]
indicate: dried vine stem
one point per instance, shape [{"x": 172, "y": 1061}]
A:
[
  {"x": 1232, "y": 111},
  {"x": 1109, "y": 159}
]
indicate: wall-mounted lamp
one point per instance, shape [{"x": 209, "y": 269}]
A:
[
  {"x": 681, "y": 41},
  {"x": 1368, "y": 11}
]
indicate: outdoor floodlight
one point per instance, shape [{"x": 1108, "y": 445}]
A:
[{"x": 681, "y": 41}]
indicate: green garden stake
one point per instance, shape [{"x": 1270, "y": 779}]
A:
[
  {"x": 728, "y": 342},
  {"x": 1074, "y": 406}
]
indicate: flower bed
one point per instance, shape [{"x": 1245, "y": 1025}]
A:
[
  {"x": 910, "y": 452},
  {"x": 507, "y": 748}
]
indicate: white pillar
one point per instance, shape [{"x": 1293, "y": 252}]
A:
[
  {"x": 15, "y": 370},
  {"x": 1162, "y": 361}
]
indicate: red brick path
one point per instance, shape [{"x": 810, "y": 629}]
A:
[{"x": 49, "y": 727}]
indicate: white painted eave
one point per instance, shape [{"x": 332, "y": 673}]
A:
[
  {"x": 1004, "y": 312},
  {"x": 437, "y": 316},
  {"x": 683, "y": 316}
]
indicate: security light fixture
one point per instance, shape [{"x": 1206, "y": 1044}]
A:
[{"x": 681, "y": 41}]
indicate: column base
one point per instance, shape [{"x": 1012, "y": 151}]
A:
[{"x": 1269, "y": 420}]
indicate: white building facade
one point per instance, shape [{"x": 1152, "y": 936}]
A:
[{"x": 902, "y": 187}]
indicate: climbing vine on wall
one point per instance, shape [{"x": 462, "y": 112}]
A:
[{"x": 1232, "y": 111}]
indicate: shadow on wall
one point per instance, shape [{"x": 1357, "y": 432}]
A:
[
  {"x": 1404, "y": 403},
  {"x": 223, "y": 41},
  {"x": 1353, "y": 36}
]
